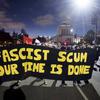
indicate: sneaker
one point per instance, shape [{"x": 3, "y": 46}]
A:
[
  {"x": 45, "y": 83},
  {"x": 63, "y": 85}
]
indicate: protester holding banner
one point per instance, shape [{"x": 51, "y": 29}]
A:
[
  {"x": 63, "y": 81},
  {"x": 21, "y": 61}
]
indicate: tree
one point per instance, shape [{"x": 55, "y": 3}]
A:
[
  {"x": 90, "y": 36},
  {"x": 2, "y": 30},
  {"x": 23, "y": 32}
]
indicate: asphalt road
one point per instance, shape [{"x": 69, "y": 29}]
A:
[{"x": 34, "y": 89}]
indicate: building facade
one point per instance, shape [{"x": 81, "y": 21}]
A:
[{"x": 65, "y": 33}]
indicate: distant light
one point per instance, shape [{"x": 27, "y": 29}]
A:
[
  {"x": 82, "y": 4},
  {"x": 71, "y": 30}
]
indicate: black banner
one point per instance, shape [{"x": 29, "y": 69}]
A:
[{"x": 21, "y": 61}]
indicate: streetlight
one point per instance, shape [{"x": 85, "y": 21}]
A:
[
  {"x": 71, "y": 30},
  {"x": 84, "y": 8},
  {"x": 83, "y": 4}
]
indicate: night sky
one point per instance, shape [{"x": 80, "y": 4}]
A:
[{"x": 42, "y": 17}]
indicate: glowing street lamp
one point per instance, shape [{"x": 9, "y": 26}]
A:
[
  {"x": 83, "y": 4},
  {"x": 85, "y": 8},
  {"x": 71, "y": 30}
]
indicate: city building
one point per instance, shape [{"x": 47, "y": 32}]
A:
[{"x": 64, "y": 34}]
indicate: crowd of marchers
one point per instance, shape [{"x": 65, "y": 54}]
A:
[{"x": 6, "y": 39}]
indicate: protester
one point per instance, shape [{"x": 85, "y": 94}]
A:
[{"x": 65, "y": 48}]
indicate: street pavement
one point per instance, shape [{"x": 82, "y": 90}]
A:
[{"x": 35, "y": 89}]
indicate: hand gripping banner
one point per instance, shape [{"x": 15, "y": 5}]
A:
[{"x": 18, "y": 62}]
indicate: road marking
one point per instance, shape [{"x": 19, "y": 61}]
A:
[{"x": 81, "y": 92}]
